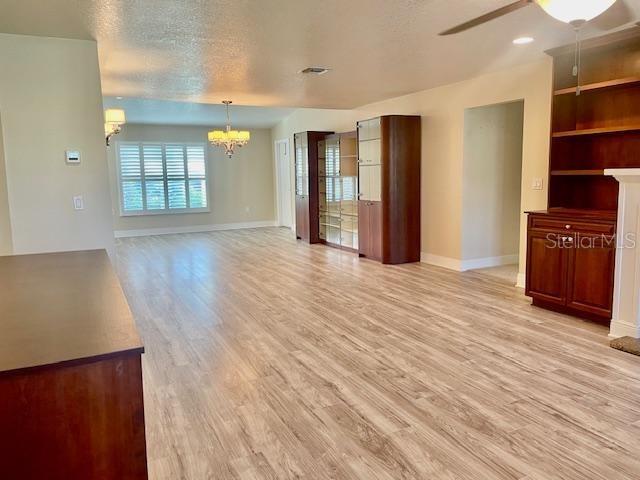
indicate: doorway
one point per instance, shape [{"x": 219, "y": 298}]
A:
[
  {"x": 492, "y": 189},
  {"x": 283, "y": 183}
]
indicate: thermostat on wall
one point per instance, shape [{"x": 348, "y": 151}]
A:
[{"x": 73, "y": 157}]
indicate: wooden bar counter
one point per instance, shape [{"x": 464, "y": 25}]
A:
[{"x": 71, "y": 404}]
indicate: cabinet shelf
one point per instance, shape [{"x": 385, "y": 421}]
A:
[
  {"x": 591, "y": 87},
  {"x": 596, "y": 131},
  {"x": 594, "y": 172}
]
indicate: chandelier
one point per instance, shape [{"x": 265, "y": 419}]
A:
[{"x": 229, "y": 139}]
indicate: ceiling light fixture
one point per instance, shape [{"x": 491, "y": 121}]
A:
[
  {"x": 114, "y": 118},
  {"x": 229, "y": 139},
  {"x": 522, "y": 40},
  {"x": 575, "y": 12}
]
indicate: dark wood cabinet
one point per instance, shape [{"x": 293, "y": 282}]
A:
[
  {"x": 547, "y": 281},
  {"x": 389, "y": 157},
  {"x": 590, "y": 272},
  {"x": 370, "y": 229},
  {"x": 570, "y": 264},
  {"x": 595, "y": 126},
  {"x": 71, "y": 393},
  {"x": 306, "y": 177}
]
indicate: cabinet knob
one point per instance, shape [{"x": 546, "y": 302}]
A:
[{"x": 568, "y": 227}]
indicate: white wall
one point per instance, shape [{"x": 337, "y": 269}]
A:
[
  {"x": 491, "y": 191},
  {"x": 442, "y": 110},
  {"x": 241, "y": 189},
  {"x": 6, "y": 244},
  {"x": 50, "y": 101}
]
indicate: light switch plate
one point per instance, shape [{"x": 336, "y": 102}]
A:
[
  {"x": 72, "y": 157},
  {"x": 78, "y": 202},
  {"x": 537, "y": 184}
]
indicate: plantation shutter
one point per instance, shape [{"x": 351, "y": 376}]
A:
[{"x": 157, "y": 178}]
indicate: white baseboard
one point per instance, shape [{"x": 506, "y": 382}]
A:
[
  {"x": 439, "y": 261},
  {"x": 621, "y": 328},
  {"x": 192, "y": 229},
  {"x": 487, "y": 262},
  {"x": 522, "y": 280},
  {"x": 464, "y": 265}
]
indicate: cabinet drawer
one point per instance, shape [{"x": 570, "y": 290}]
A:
[{"x": 566, "y": 224}]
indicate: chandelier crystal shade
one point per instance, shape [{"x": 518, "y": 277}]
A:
[
  {"x": 229, "y": 139},
  {"x": 575, "y": 11}
]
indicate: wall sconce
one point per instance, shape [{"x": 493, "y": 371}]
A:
[{"x": 114, "y": 118}]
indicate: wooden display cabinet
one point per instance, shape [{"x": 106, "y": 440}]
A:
[{"x": 389, "y": 150}]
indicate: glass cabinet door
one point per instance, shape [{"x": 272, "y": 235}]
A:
[
  {"x": 298, "y": 162},
  {"x": 349, "y": 211},
  {"x": 301, "y": 165},
  {"x": 333, "y": 158}
]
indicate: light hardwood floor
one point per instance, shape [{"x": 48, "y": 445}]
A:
[{"x": 267, "y": 358}]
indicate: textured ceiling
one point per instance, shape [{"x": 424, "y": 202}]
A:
[
  {"x": 252, "y": 50},
  {"x": 164, "y": 112}
]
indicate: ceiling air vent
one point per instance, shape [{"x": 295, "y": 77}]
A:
[{"x": 315, "y": 70}]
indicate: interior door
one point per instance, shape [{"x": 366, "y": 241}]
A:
[
  {"x": 547, "y": 254},
  {"x": 590, "y": 275}
]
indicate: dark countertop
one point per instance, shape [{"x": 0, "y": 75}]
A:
[{"x": 62, "y": 307}]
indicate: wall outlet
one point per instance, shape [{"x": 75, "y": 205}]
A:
[
  {"x": 537, "y": 184},
  {"x": 78, "y": 202},
  {"x": 247, "y": 209}
]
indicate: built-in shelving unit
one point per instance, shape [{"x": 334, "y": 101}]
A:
[
  {"x": 594, "y": 127},
  {"x": 598, "y": 129}
]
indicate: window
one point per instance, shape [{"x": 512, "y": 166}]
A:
[{"x": 162, "y": 178}]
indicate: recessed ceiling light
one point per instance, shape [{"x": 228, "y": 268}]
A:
[
  {"x": 522, "y": 40},
  {"x": 315, "y": 70}
]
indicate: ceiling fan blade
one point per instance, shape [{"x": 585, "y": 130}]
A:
[{"x": 488, "y": 17}]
